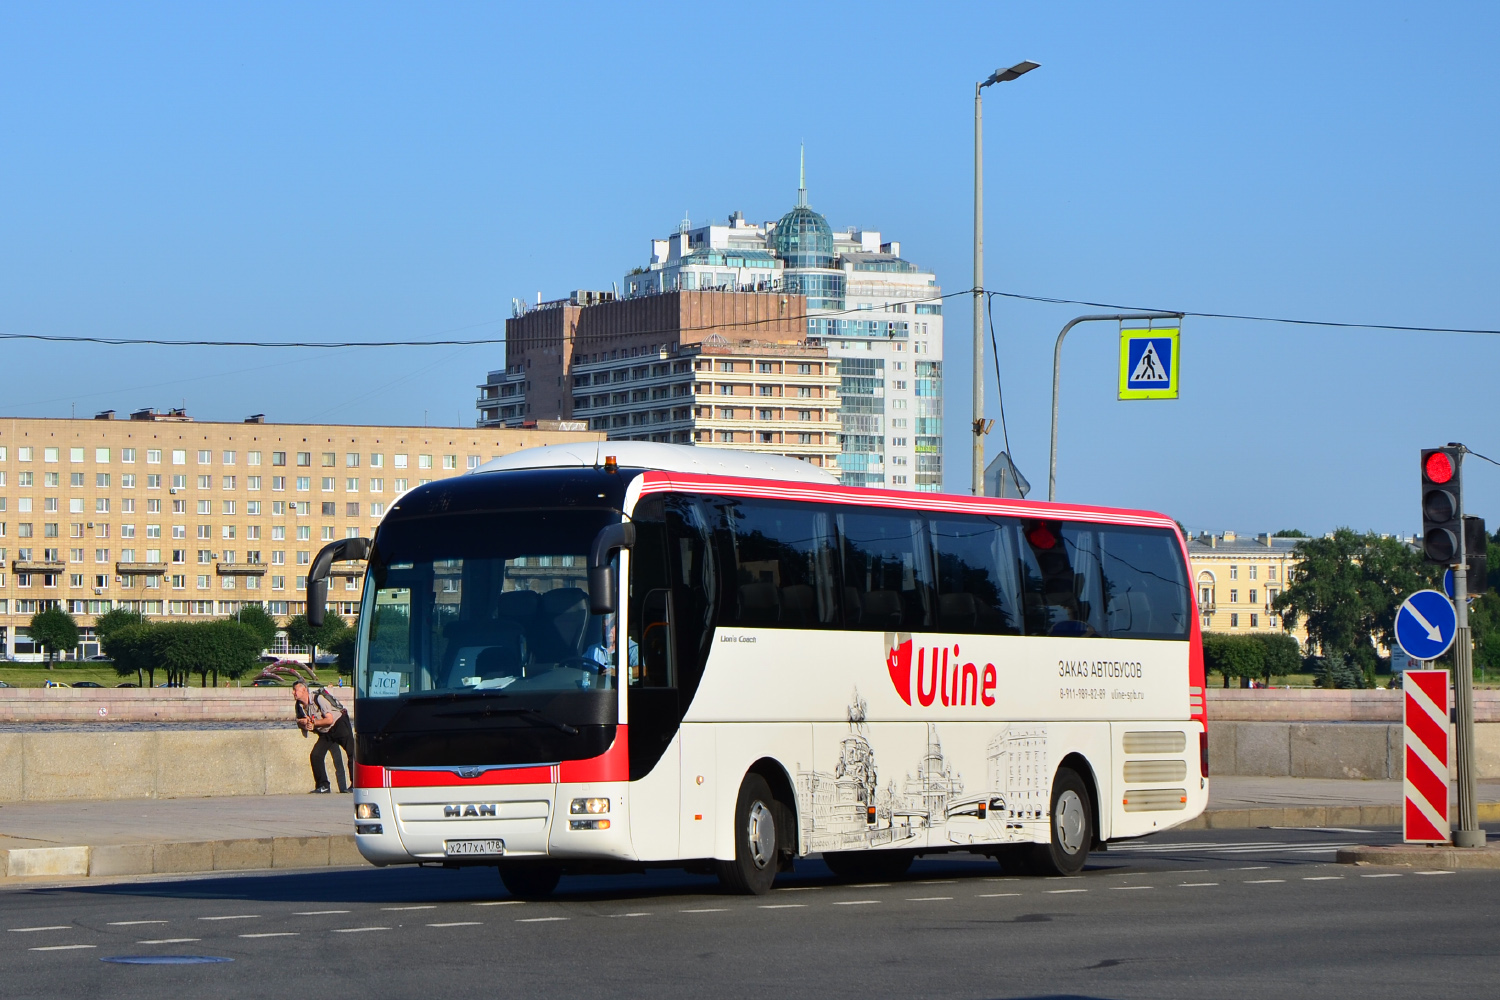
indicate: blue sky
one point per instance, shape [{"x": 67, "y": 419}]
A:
[{"x": 362, "y": 171}]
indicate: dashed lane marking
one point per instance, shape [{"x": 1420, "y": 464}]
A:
[
  {"x": 1434, "y": 873},
  {"x": 539, "y": 920},
  {"x": 856, "y": 902},
  {"x": 1058, "y": 892},
  {"x": 1263, "y": 881},
  {"x": 235, "y": 916},
  {"x": 1128, "y": 887},
  {"x": 627, "y": 915},
  {"x": 271, "y": 934},
  {"x": 357, "y": 930},
  {"x": 1189, "y": 885},
  {"x": 459, "y": 923},
  {"x": 169, "y": 940},
  {"x": 799, "y": 888},
  {"x": 1252, "y": 868},
  {"x": 501, "y": 902},
  {"x": 783, "y": 906},
  {"x": 711, "y": 909},
  {"x": 316, "y": 913},
  {"x": 996, "y": 895},
  {"x": 934, "y": 899},
  {"x": 62, "y": 947},
  {"x": 133, "y": 923},
  {"x": 1321, "y": 878},
  {"x": 395, "y": 909},
  {"x": 1383, "y": 875},
  {"x": 33, "y": 930}
]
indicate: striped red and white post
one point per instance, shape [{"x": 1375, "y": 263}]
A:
[{"x": 1425, "y": 810}]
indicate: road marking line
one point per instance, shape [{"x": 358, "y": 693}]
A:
[
  {"x": 1187, "y": 871},
  {"x": 1262, "y": 881},
  {"x": 1127, "y": 887},
  {"x": 1188, "y": 885},
  {"x": 799, "y": 888},
  {"x": 316, "y": 913},
  {"x": 1321, "y": 878},
  {"x": 236, "y": 916},
  {"x": 996, "y": 895},
  {"x": 717, "y": 909},
  {"x": 459, "y": 923},
  {"x": 938, "y": 881},
  {"x": 1383, "y": 875},
  {"x": 855, "y": 902},
  {"x": 357, "y": 930},
  {"x": 871, "y": 885},
  {"x": 1252, "y": 868},
  {"x": 169, "y": 940},
  {"x": 1433, "y": 873},
  {"x": 630, "y": 914},
  {"x": 398, "y": 908},
  {"x": 1057, "y": 892},
  {"x": 927, "y": 899},
  {"x": 271, "y": 934},
  {"x": 501, "y": 902},
  {"x": 30, "y": 930},
  {"x": 538, "y": 920},
  {"x": 784, "y": 906},
  {"x": 62, "y": 947},
  {"x": 133, "y": 923}
]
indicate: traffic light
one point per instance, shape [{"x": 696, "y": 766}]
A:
[
  {"x": 1476, "y": 542},
  {"x": 1441, "y": 487}
]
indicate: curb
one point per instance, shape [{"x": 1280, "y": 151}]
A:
[
  {"x": 190, "y": 857},
  {"x": 1413, "y": 856},
  {"x": 1249, "y": 819}
]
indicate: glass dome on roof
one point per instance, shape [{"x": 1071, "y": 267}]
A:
[{"x": 804, "y": 239}]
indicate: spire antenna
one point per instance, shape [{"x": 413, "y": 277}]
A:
[{"x": 802, "y": 178}]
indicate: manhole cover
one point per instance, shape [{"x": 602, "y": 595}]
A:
[{"x": 165, "y": 959}]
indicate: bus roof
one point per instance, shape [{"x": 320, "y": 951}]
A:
[{"x": 664, "y": 457}]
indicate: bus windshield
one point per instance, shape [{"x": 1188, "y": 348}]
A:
[{"x": 484, "y": 604}]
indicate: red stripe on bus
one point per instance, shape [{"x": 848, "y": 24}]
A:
[
  {"x": 538, "y": 775},
  {"x": 612, "y": 765},
  {"x": 369, "y": 776}
]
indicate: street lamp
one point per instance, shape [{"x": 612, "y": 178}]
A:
[{"x": 999, "y": 76}]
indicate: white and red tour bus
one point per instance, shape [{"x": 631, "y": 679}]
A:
[{"x": 619, "y": 655}]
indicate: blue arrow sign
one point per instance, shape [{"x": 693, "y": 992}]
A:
[
  {"x": 1426, "y": 624},
  {"x": 1448, "y": 585}
]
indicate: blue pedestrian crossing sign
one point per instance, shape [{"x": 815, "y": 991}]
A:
[
  {"x": 1426, "y": 624},
  {"x": 1149, "y": 363}
]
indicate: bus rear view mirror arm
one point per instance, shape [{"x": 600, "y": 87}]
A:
[
  {"x": 344, "y": 549},
  {"x": 602, "y": 597}
]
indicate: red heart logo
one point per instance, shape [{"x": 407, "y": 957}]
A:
[{"x": 898, "y": 662}]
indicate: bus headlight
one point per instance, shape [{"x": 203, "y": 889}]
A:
[
  {"x": 366, "y": 810},
  {"x": 589, "y": 807},
  {"x": 588, "y": 824}
]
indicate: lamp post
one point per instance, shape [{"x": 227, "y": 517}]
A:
[{"x": 999, "y": 76}]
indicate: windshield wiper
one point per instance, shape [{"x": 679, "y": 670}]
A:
[{"x": 529, "y": 714}]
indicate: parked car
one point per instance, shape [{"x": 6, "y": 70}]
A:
[
  {"x": 56, "y": 684},
  {"x": 127, "y": 684},
  {"x": 101, "y": 658},
  {"x": 87, "y": 684},
  {"x": 4, "y": 685}
]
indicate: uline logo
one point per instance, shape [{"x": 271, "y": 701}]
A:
[
  {"x": 940, "y": 674},
  {"x": 466, "y": 811}
]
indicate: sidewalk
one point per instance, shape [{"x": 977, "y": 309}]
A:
[{"x": 166, "y": 836}]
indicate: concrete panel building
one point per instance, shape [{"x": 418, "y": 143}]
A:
[{"x": 175, "y": 517}]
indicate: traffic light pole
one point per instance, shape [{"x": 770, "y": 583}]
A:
[{"x": 1468, "y": 833}]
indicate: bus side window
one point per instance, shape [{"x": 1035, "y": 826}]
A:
[
  {"x": 783, "y": 566},
  {"x": 887, "y": 571},
  {"x": 977, "y": 588},
  {"x": 695, "y": 589},
  {"x": 656, "y": 665},
  {"x": 650, "y": 654},
  {"x": 1145, "y": 583}
]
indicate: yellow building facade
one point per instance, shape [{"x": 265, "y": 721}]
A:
[
  {"x": 1237, "y": 579},
  {"x": 179, "y": 518}
]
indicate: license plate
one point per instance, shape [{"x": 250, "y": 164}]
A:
[{"x": 467, "y": 848}]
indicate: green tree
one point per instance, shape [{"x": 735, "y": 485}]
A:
[
  {"x": 1484, "y": 623},
  {"x": 254, "y": 617},
  {"x": 332, "y": 633},
  {"x": 179, "y": 648},
  {"x": 1234, "y": 656},
  {"x": 1282, "y": 654},
  {"x": 1289, "y": 533},
  {"x": 1347, "y": 588},
  {"x": 56, "y": 630},
  {"x": 300, "y": 633},
  {"x": 133, "y": 648},
  {"x": 225, "y": 647},
  {"x": 110, "y": 624}
]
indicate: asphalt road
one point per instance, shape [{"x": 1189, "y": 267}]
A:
[{"x": 1199, "y": 914}]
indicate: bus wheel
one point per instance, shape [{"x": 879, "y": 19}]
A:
[
  {"x": 1072, "y": 828},
  {"x": 867, "y": 866},
  {"x": 527, "y": 881},
  {"x": 756, "y": 841}
]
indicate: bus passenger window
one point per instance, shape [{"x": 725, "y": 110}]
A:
[
  {"x": 1145, "y": 583},
  {"x": 1060, "y": 598},
  {"x": 653, "y": 664},
  {"x": 887, "y": 575},
  {"x": 783, "y": 566},
  {"x": 977, "y": 588}
]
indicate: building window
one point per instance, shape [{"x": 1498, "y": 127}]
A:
[
  {"x": 1254, "y": 620},
  {"x": 1234, "y": 621},
  {"x": 329, "y": 459},
  {"x": 327, "y": 484},
  {"x": 278, "y": 458},
  {"x": 304, "y": 483},
  {"x": 304, "y": 459},
  {"x": 1270, "y": 572},
  {"x": 1234, "y": 597},
  {"x": 1253, "y": 569},
  {"x": 1234, "y": 572},
  {"x": 1252, "y": 595}
]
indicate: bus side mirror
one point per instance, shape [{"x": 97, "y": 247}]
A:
[
  {"x": 602, "y": 597},
  {"x": 317, "y": 574}
]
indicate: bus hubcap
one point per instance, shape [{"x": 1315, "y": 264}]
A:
[
  {"x": 762, "y": 835},
  {"x": 1068, "y": 818}
]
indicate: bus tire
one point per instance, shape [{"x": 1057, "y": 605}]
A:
[
  {"x": 1072, "y": 826},
  {"x": 530, "y": 881},
  {"x": 867, "y": 866},
  {"x": 757, "y": 841}
]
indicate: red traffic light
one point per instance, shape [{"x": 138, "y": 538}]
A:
[{"x": 1439, "y": 467}]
